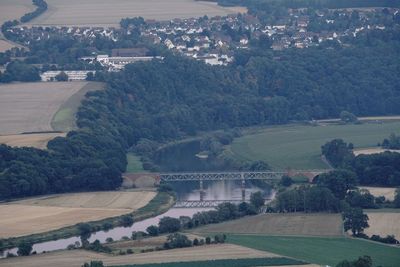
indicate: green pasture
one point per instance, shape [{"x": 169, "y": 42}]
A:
[
  {"x": 226, "y": 263},
  {"x": 134, "y": 164},
  {"x": 299, "y": 146},
  {"x": 324, "y": 251}
]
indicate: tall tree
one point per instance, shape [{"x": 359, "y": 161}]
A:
[
  {"x": 355, "y": 220},
  {"x": 338, "y": 181}
]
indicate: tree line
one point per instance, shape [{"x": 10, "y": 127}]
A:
[
  {"x": 41, "y": 7},
  {"x": 381, "y": 169},
  {"x": 178, "y": 97}
]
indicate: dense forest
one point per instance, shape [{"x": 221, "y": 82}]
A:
[{"x": 163, "y": 100}]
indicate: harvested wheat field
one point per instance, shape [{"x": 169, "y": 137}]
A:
[
  {"x": 32, "y": 140},
  {"x": 30, "y": 107},
  {"x": 4, "y": 45},
  {"x": 373, "y": 150},
  {"x": 43, "y": 214},
  {"x": 78, "y": 257},
  {"x": 297, "y": 224},
  {"x": 108, "y": 13},
  {"x": 383, "y": 224},
  {"x": 387, "y": 192},
  {"x": 14, "y": 9}
]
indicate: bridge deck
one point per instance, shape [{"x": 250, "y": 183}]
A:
[{"x": 215, "y": 176}]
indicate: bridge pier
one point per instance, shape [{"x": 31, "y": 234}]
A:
[
  {"x": 243, "y": 187},
  {"x": 202, "y": 193}
]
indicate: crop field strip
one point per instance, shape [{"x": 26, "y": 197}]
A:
[
  {"x": 78, "y": 257},
  {"x": 321, "y": 250},
  {"x": 30, "y": 107},
  {"x": 297, "y": 224},
  {"x": 33, "y": 140},
  {"x": 283, "y": 262},
  {"x": 39, "y": 109},
  {"x": 383, "y": 224},
  {"x": 36, "y": 215},
  {"x": 10, "y": 10},
  {"x": 103, "y": 13},
  {"x": 299, "y": 146},
  {"x": 387, "y": 192}
]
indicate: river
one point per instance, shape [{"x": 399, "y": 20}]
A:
[{"x": 219, "y": 190}]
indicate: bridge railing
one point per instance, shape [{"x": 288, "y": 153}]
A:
[{"x": 215, "y": 176}]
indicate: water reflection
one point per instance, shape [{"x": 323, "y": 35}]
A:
[{"x": 214, "y": 190}]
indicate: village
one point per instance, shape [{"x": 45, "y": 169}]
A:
[{"x": 214, "y": 40}]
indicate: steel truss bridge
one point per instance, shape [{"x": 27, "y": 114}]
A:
[
  {"x": 204, "y": 203},
  {"x": 227, "y": 176},
  {"x": 221, "y": 176}
]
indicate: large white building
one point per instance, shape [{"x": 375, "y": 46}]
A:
[{"x": 73, "y": 75}]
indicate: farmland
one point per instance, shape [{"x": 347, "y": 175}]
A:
[
  {"x": 42, "y": 214},
  {"x": 387, "y": 192},
  {"x": 232, "y": 263},
  {"x": 10, "y": 10},
  {"x": 326, "y": 251},
  {"x": 77, "y": 257},
  {"x": 64, "y": 119},
  {"x": 39, "y": 108},
  {"x": 299, "y": 146},
  {"x": 35, "y": 140},
  {"x": 298, "y": 224},
  {"x": 109, "y": 13},
  {"x": 383, "y": 223},
  {"x": 30, "y": 107}
]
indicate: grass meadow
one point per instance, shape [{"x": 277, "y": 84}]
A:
[
  {"x": 227, "y": 263},
  {"x": 134, "y": 164},
  {"x": 299, "y": 146},
  {"x": 324, "y": 251}
]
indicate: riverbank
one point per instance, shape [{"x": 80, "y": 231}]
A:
[{"x": 162, "y": 202}]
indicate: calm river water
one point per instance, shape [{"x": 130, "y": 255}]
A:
[{"x": 220, "y": 190}]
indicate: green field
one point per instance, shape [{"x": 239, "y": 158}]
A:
[
  {"x": 299, "y": 146},
  {"x": 134, "y": 164},
  {"x": 227, "y": 263},
  {"x": 327, "y": 251},
  {"x": 64, "y": 119}
]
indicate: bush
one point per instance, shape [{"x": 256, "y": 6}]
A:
[
  {"x": 177, "y": 240},
  {"x": 107, "y": 226},
  {"x": 286, "y": 181},
  {"x": 24, "y": 248},
  {"x": 126, "y": 220},
  {"x": 169, "y": 225},
  {"x": 84, "y": 229},
  {"x": 152, "y": 230}
]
